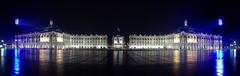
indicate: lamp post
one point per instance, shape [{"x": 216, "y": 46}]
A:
[
  {"x": 16, "y": 39},
  {"x": 220, "y": 24},
  {"x": 16, "y": 22}
]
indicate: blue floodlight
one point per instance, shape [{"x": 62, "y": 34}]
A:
[
  {"x": 16, "y": 21},
  {"x": 220, "y": 21}
]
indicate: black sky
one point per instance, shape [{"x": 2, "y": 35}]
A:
[{"x": 131, "y": 16}]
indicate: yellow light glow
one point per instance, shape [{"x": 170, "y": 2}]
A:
[
  {"x": 176, "y": 39},
  {"x": 192, "y": 39},
  {"x": 43, "y": 55},
  {"x": 44, "y": 39},
  {"x": 190, "y": 56},
  {"x": 59, "y": 39},
  {"x": 59, "y": 56},
  {"x": 176, "y": 56}
]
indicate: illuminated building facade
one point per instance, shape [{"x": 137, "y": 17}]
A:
[
  {"x": 179, "y": 40},
  {"x": 59, "y": 40},
  {"x": 88, "y": 41},
  {"x": 42, "y": 40},
  {"x": 118, "y": 41},
  {"x": 52, "y": 38},
  {"x": 182, "y": 40},
  {"x": 186, "y": 39}
]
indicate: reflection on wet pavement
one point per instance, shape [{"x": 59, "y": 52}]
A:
[{"x": 28, "y": 62}]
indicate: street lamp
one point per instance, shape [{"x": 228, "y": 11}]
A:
[{"x": 219, "y": 31}]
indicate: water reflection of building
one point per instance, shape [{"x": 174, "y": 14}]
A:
[
  {"x": 164, "y": 56},
  {"x": 176, "y": 61},
  {"x": 220, "y": 63},
  {"x": 16, "y": 64},
  {"x": 117, "y": 57},
  {"x": 176, "y": 56},
  {"x": 59, "y": 62},
  {"x": 85, "y": 56},
  {"x": 2, "y": 59}
]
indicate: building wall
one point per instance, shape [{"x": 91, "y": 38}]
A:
[
  {"x": 180, "y": 40},
  {"x": 60, "y": 40},
  {"x": 118, "y": 41},
  {"x": 146, "y": 41},
  {"x": 89, "y": 41}
]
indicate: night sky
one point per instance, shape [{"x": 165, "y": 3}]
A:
[{"x": 131, "y": 16}]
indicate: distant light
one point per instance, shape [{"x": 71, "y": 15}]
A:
[
  {"x": 17, "y": 21},
  {"x": 185, "y": 22},
  {"x": 220, "y": 22},
  {"x": 51, "y": 22}
]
